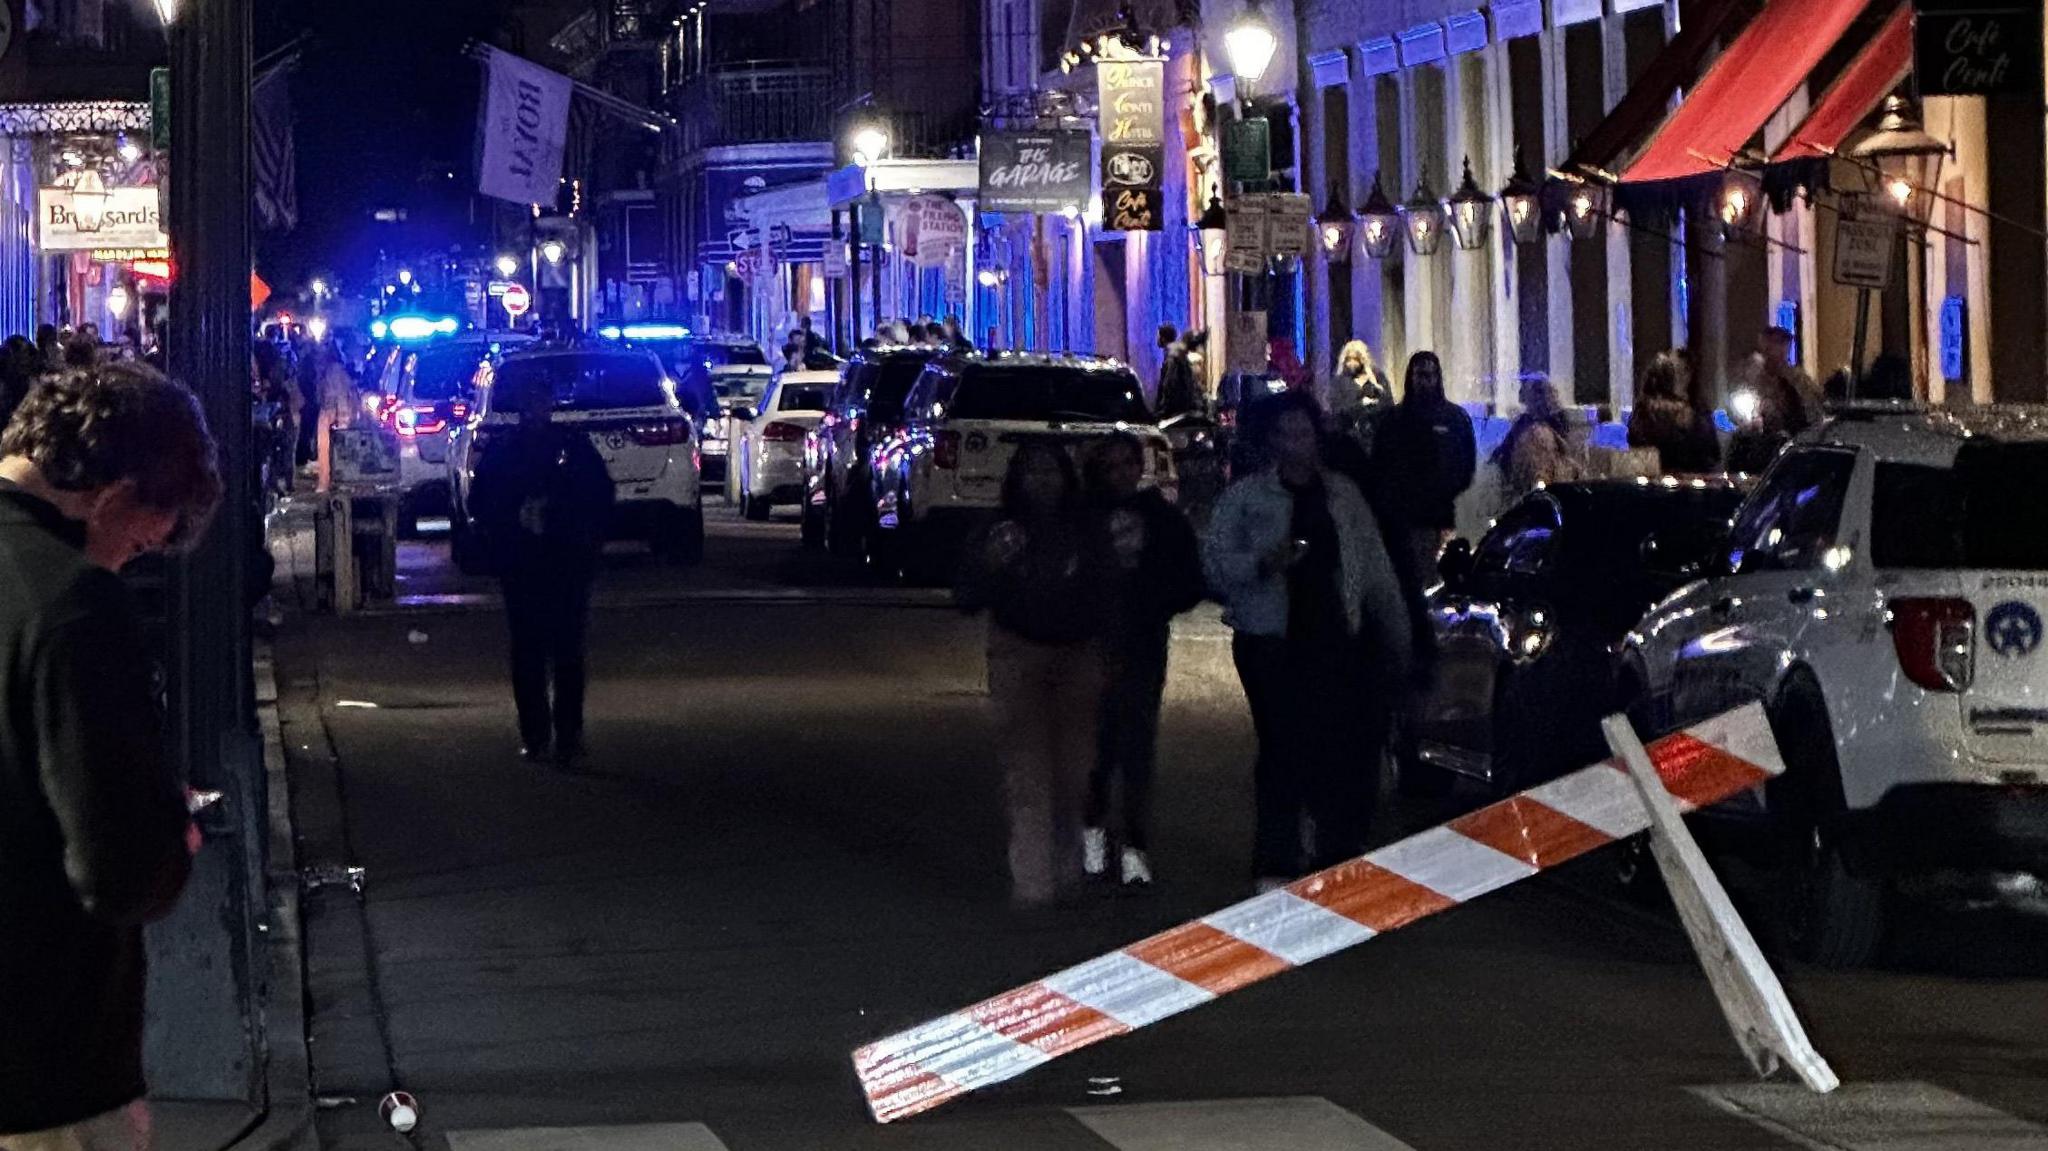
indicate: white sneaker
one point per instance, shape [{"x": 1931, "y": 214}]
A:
[
  {"x": 1270, "y": 883},
  {"x": 1094, "y": 850},
  {"x": 1137, "y": 870}
]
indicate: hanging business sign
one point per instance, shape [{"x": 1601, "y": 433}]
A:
[
  {"x": 522, "y": 127},
  {"x": 1034, "y": 171},
  {"x": 933, "y": 227},
  {"x": 1131, "y": 106},
  {"x": 1287, "y": 224},
  {"x": 1245, "y": 235},
  {"x": 1248, "y": 150},
  {"x": 87, "y": 218},
  {"x": 1977, "y": 47}
]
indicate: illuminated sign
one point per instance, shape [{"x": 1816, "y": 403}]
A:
[{"x": 87, "y": 220}]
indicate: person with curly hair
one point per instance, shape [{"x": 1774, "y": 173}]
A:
[{"x": 97, "y": 467}]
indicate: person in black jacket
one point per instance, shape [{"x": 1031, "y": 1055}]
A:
[
  {"x": 1154, "y": 574},
  {"x": 1039, "y": 572},
  {"x": 542, "y": 500},
  {"x": 97, "y": 467},
  {"x": 1426, "y": 455}
]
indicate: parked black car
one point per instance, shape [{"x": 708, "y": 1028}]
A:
[
  {"x": 865, "y": 410},
  {"x": 1528, "y": 622}
]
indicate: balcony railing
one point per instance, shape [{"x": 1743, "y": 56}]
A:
[{"x": 753, "y": 102}]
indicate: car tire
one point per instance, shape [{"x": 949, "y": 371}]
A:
[
  {"x": 681, "y": 540},
  {"x": 845, "y": 528},
  {"x": 1831, "y": 916}
]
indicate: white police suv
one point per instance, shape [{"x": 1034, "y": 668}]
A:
[{"x": 1883, "y": 591}]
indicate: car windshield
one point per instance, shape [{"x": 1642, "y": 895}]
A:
[
  {"x": 444, "y": 373},
  {"x": 1965, "y": 517},
  {"x": 739, "y": 387},
  {"x": 582, "y": 382},
  {"x": 731, "y": 356},
  {"x": 1049, "y": 394},
  {"x": 889, "y": 384},
  {"x": 803, "y": 398}
]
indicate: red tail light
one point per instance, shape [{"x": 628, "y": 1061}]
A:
[
  {"x": 1936, "y": 641},
  {"x": 781, "y": 433},
  {"x": 387, "y": 408},
  {"x": 660, "y": 433},
  {"x": 946, "y": 450},
  {"x": 458, "y": 410}
]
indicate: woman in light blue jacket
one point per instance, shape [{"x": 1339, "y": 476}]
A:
[{"x": 1321, "y": 627}]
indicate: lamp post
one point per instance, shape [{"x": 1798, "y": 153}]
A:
[
  {"x": 1250, "y": 44},
  {"x": 507, "y": 265}
]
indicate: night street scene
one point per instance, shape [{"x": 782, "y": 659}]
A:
[{"x": 876, "y": 575}]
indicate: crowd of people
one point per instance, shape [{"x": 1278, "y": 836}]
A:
[
  {"x": 1319, "y": 551},
  {"x": 945, "y": 335}
]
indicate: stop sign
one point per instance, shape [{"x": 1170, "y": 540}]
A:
[{"x": 516, "y": 300}]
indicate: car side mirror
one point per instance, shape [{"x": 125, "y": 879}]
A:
[{"x": 1455, "y": 565}]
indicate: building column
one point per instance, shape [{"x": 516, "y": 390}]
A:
[
  {"x": 1366, "y": 312},
  {"x": 1620, "y": 280},
  {"x": 1558, "y": 246},
  {"x": 1474, "y": 291},
  {"x": 1317, "y": 269}
]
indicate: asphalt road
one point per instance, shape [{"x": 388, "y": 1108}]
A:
[{"x": 788, "y": 843}]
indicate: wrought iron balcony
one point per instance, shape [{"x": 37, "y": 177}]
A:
[{"x": 753, "y": 102}]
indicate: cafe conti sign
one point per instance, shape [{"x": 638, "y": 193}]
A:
[
  {"x": 1131, "y": 102},
  {"x": 69, "y": 220}
]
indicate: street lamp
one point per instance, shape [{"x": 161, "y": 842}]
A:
[
  {"x": 1335, "y": 225},
  {"x": 1470, "y": 211},
  {"x": 1582, "y": 210},
  {"x": 1737, "y": 205},
  {"x": 1424, "y": 215},
  {"x": 870, "y": 141},
  {"x": 1521, "y": 200},
  {"x": 405, "y": 275},
  {"x": 553, "y": 251},
  {"x": 166, "y": 11},
  {"x": 319, "y": 287},
  {"x": 1250, "y": 44},
  {"x": 1382, "y": 222},
  {"x": 508, "y": 265},
  {"x": 1906, "y": 157}
]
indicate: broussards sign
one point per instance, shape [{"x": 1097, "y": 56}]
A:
[{"x": 126, "y": 218}]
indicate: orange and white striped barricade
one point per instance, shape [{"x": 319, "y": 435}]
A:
[
  {"x": 1340, "y": 907},
  {"x": 1765, "y": 1025}
]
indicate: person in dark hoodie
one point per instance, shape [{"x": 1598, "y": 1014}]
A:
[
  {"x": 97, "y": 468},
  {"x": 542, "y": 497},
  {"x": 1154, "y": 574},
  {"x": 1039, "y": 573},
  {"x": 1425, "y": 455}
]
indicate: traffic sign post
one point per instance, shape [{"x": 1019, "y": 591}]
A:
[{"x": 517, "y": 301}]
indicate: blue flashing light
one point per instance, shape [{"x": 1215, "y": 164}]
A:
[
  {"x": 420, "y": 327},
  {"x": 380, "y": 329},
  {"x": 655, "y": 332},
  {"x": 610, "y": 332}
]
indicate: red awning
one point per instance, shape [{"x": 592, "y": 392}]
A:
[
  {"x": 1869, "y": 78},
  {"x": 1743, "y": 86},
  {"x": 1644, "y": 106}
]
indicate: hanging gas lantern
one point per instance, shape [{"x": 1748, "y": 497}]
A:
[
  {"x": 1424, "y": 216},
  {"x": 1735, "y": 209},
  {"x": 1521, "y": 202},
  {"x": 1381, "y": 222},
  {"x": 1468, "y": 212},
  {"x": 1584, "y": 207},
  {"x": 1907, "y": 160},
  {"x": 1335, "y": 226}
]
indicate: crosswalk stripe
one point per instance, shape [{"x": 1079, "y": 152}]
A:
[
  {"x": 1877, "y": 1117},
  {"x": 1306, "y": 1123},
  {"x": 637, "y": 1137}
]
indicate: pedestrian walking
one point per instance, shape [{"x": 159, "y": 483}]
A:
[
  {"x": 50, "y": 345},
  {"x": 1038, "y": 573},
  {"x": 542, "y": 498},
  {"x": 1666, "y": 419},
  {"x": 1154, "y": 574},
  {"x": 97, "y": 468},
  {"x": 1425, "y": 455},
  {"x": 954, "y": 337},
  {"x": 1321, "y": 632},
  {"x": 1180, "y": 392},
  {"x": 813, "y": 342},
  {"x": 337, "y": 411},
  {"x": 1538, "y": 447},
  {"x": 1355, "y": 394}
]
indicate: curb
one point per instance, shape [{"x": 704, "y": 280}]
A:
[{"x": 287, "y": 1120}]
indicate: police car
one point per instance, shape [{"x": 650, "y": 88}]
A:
[
  {"x": 626, "y": 403},
  {"x": 1883, "y": 592},
  {"x": 941, "y": 471}
]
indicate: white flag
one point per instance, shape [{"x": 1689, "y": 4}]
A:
[{"x": 524, "y": 123}]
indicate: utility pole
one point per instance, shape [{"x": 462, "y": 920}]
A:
[{"x": 204, "y": 1027}]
